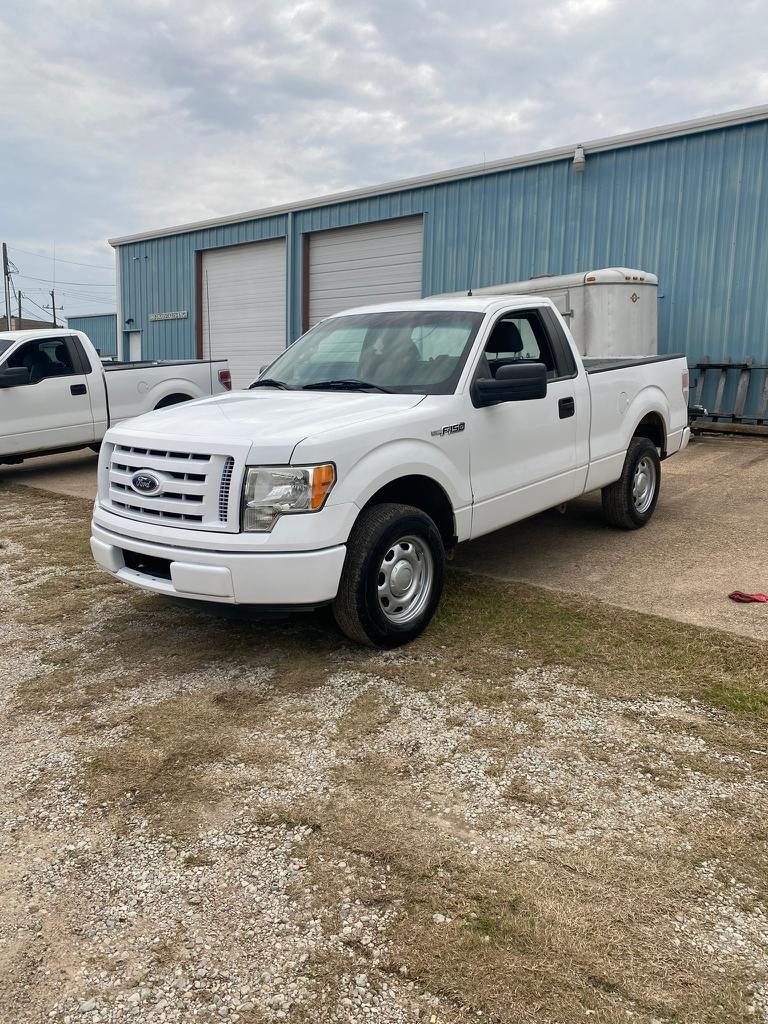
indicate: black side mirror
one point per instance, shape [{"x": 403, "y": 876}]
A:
[
  {"x": 515, "y": 382},
  {"x": 14, "y": 376}
]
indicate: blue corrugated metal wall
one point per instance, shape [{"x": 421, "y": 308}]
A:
[
  {"x": 100, "y": 328},
  {"x": 693, "y": 210},
  {"x": 158, "y": 276}
]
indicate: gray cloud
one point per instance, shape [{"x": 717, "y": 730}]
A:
[{"x": 123, "y": 116}]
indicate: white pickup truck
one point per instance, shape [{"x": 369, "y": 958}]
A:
[
  {"x": 55, "y": 394},
  {"x": 375, "y": 443}
]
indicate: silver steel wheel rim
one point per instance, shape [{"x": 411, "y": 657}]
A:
[
  {"x": 404, "y": 580},
  {"x": 644, "y": 485}
]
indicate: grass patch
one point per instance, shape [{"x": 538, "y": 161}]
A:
[
  {"x": 487, "y": 629},
  {"x": 739, "y": 700},
  {"x": 530, "y": 940}
]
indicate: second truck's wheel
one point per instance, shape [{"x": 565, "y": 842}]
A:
[
  {"x": 392, "y": 577},
  {"x": 630, "y": 502}
]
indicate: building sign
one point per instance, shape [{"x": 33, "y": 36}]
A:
[{"x": 180, "y": 314}]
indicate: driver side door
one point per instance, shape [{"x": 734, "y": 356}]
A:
[
  {"x": 526, "y": 455},
  {"x": 52, "y": 410}
]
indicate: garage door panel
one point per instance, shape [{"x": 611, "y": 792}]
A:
[
  {"x": 359, "y": 277},
  {"x": 244, "y": 306},
  {"x": 348, "y": 249},
  {"x": 364, "y": 264}
]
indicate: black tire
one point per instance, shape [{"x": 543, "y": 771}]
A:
[
  {"x": 169, "y": 400},
  {"x": 619, "y": 505},
  {"x": 357, "y": 608}
]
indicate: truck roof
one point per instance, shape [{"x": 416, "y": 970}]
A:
[
  {"x": 465, "y": 303},
  {"x": 41, "y": 332}
]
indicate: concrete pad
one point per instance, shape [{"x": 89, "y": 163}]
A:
[
  {"x": 708, "y": 536},
  {"x": 71, "y": 473}
]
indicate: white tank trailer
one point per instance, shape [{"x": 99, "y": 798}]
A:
[{"x": 611, "y": 312}]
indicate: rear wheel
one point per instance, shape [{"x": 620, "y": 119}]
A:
[
  {"x": 392, "y": 578},
  {"x": 630, "y": 502},
  {"x": 172, "y": 400}
]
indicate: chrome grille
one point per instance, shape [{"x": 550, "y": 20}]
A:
[{"x": 194, "y": 487}]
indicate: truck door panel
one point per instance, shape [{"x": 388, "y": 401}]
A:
[
  {"x": 526, "y": 456},
  {"x": 53, "y": 410}
]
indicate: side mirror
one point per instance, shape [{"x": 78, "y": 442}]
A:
[
  {"x": 515, "y": 382},
  {"x": 14, "y": 376}
]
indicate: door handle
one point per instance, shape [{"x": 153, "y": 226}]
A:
[
  {"x": 78, "y": 389},
  {"x": 566, "y": 407}
]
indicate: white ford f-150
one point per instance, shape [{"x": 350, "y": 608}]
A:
[
  {"x": 376, "y": 442},
  {"x": 55, "y": 394}
]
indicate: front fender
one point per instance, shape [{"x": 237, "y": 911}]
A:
[{"x": 359, "y": 479}]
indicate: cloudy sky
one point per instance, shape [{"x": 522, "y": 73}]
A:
[{"x": 121, "y": 116}]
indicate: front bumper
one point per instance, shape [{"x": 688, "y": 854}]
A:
[{"x": 259, "y": 578}]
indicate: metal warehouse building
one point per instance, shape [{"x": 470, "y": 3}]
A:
[
  {"x": 101, "y": 328},
  {"x": 687, "y": 202}
]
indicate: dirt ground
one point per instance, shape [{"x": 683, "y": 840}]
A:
[
  {"x": 709, "y": 536},
  {"x": 547, "y": 809}
]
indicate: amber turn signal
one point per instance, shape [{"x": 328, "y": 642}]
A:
[{"x": 323, "y": 479}]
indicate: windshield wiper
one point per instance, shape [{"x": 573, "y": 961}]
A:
[
  {"x": 269, "y": 382},
  {"x": 346, "y": 384}
]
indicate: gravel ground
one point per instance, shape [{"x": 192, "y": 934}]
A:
[{"x": 207, "y": 820}]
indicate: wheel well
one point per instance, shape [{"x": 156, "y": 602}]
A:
[
  {"x": 172, "y": 400},
  {"x": 423, "y": 493},
  {"x": 652, "y": 427}
]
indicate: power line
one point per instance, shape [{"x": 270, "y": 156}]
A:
[
  {"x": 77, "y": 284},
  {"x": 43, "y": 311},
  {"x": 58, "y": 259}
]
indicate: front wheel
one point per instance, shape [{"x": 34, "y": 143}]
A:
[
  {"x": 630, "y": 502},
  {"x": 392, "y": 577}
]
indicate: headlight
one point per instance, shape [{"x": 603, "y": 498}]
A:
[{"x": 272, "y": 491}]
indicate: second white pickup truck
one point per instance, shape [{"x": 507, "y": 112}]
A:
[
  {"x": 378, "y": 441},
  {"x": 55, "y": 394}
]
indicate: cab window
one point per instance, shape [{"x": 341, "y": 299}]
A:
[
  {"x": 49, "y": 357},
  {"x": 518, "y": 337}
]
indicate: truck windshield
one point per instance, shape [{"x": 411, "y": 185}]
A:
[
  {"x": 403, "y": 352},
  {"x": 5, "y": 345}
]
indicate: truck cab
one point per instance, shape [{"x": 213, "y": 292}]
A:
[
  {"x": 47, "y": 393},
  {"x": 56, "y": 395}
]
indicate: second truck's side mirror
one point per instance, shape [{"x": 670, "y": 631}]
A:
[
  {"x": 516, "y": 382},
  {"x": 14, "y": 376}
]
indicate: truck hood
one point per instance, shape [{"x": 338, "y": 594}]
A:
[{"x": 271, "y": 422}]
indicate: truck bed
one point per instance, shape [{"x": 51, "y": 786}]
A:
[
  {"x": 599, "y": 364},
  {"x": 109, "y": 367}
]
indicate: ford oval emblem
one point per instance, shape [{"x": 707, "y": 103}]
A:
[{"x": 145, "y": 482}]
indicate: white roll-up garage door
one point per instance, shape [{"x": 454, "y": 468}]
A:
[
  {"x": 244, "y": 306},
  {"x": 364, "y": 264}
]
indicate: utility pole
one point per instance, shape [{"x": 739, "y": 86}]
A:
[
  {"x": 53, "y": 307},
  {"x": 18, "y": 296},
  {"x": 7, "y": 287}
]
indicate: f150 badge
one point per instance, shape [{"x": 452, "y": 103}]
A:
[{"x": 454, "y": 428}]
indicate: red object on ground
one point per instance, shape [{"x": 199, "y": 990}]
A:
[{"x": 742, "y": 598}]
